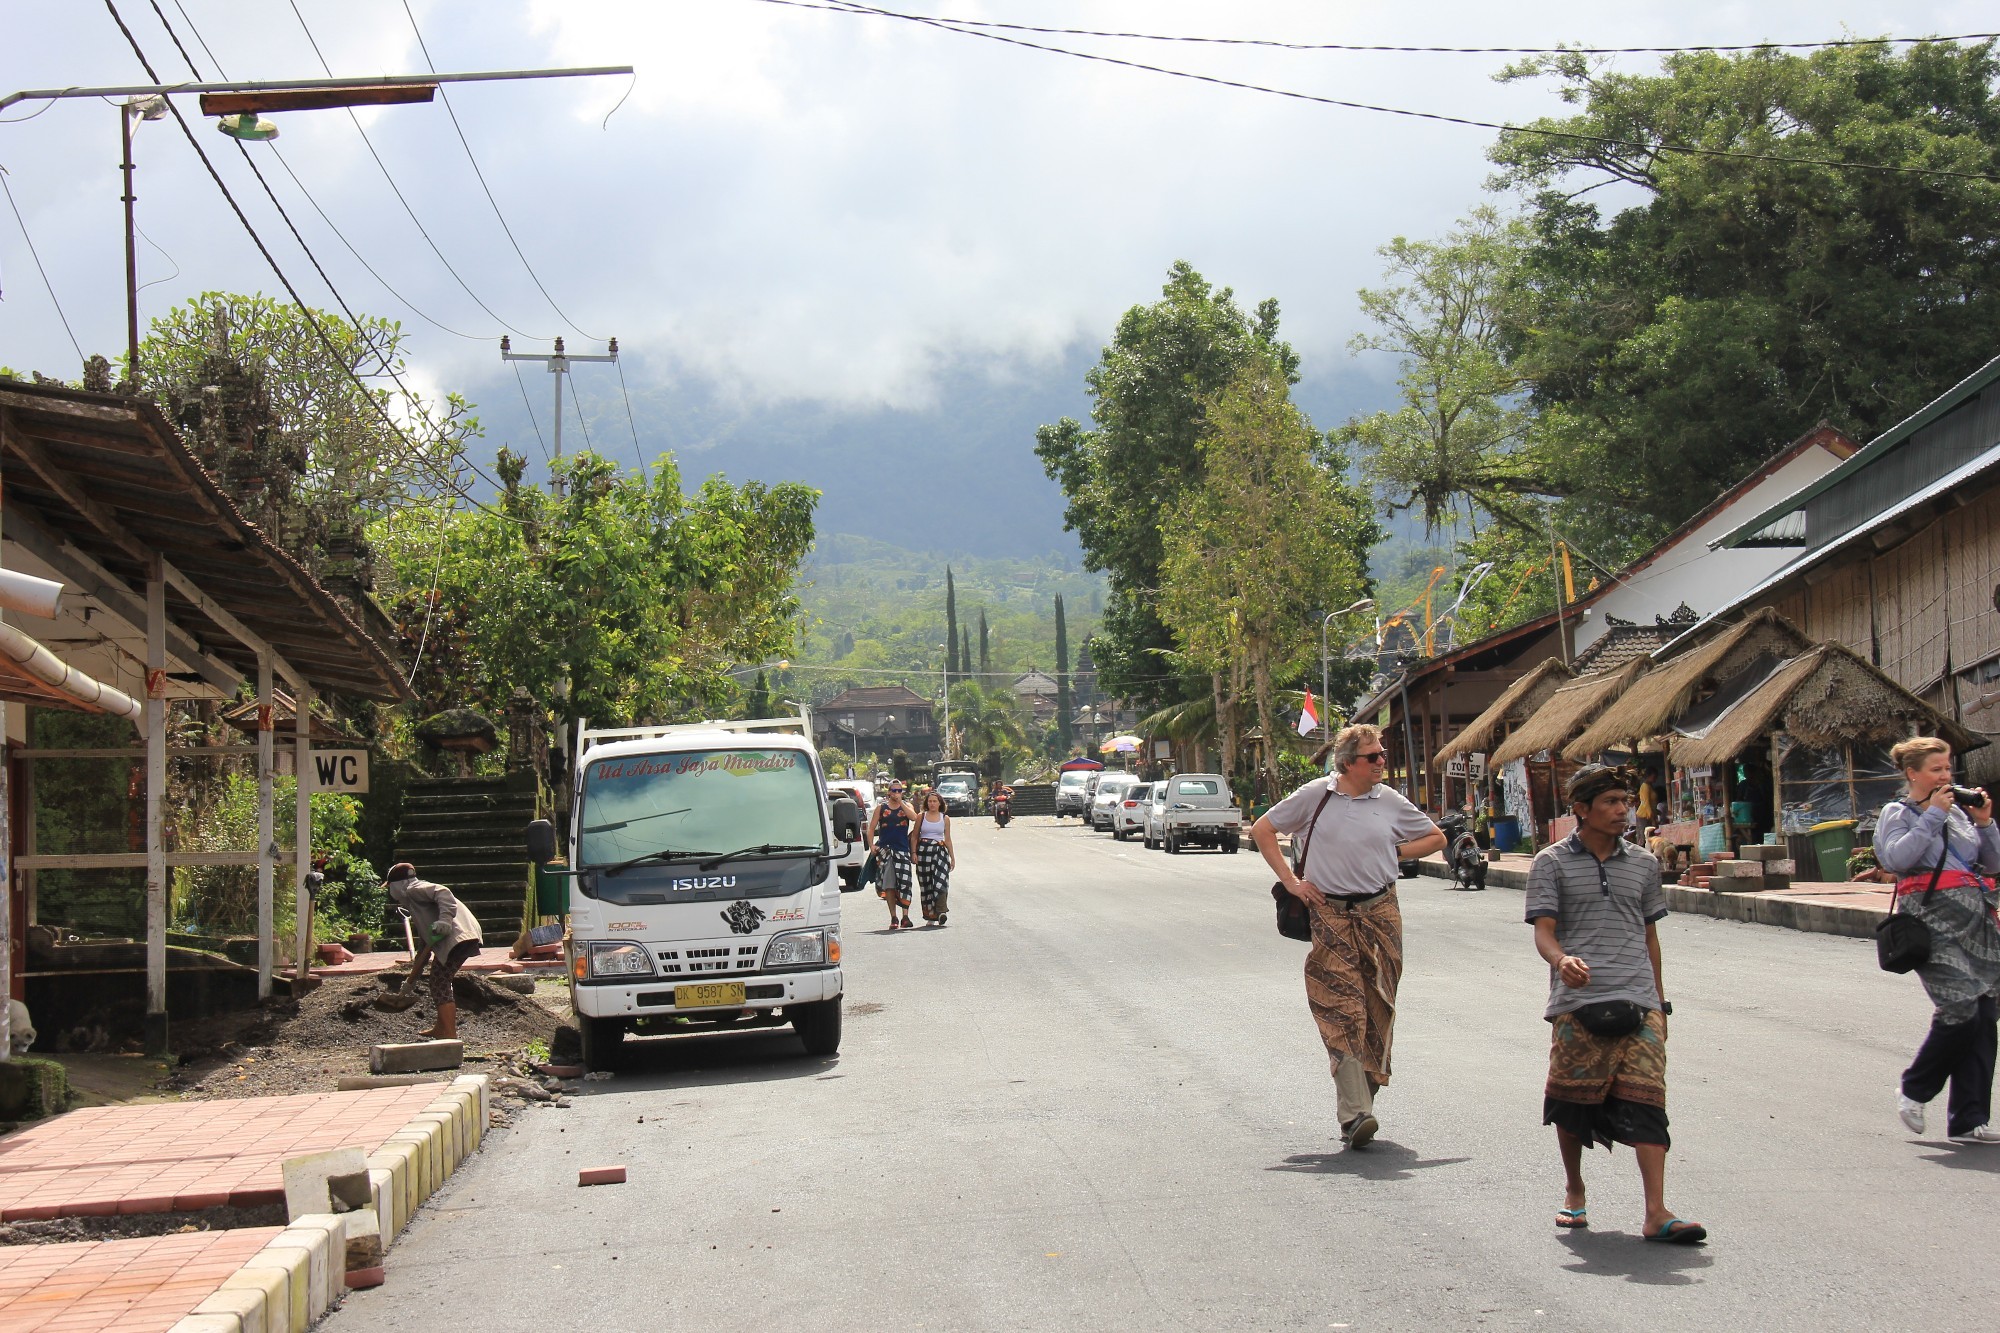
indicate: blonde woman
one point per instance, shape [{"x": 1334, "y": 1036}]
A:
[
  {"x": 1943, "y": 853},
  {"x": 935, "y": 857}
]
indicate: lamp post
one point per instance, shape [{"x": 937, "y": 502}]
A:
[{"x": 1326, "y": 713}]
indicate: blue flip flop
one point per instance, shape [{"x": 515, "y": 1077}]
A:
[
  {"x": 1571, "y": 1219},
  {"x": 1690, "y": 1233}
]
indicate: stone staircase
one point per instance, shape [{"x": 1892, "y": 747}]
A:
[{"x": 467, "y": 834}]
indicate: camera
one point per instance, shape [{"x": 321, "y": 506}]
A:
[{"x": 1969, "y": 797}]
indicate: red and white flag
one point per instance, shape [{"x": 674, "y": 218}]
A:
[{"x": 1309, "y": 716}]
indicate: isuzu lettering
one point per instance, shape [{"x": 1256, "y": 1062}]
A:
[{"x": 703, "y": 885}]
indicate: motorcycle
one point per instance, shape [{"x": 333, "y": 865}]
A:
[
  {"x": 1003, "y": 811},
  {"x": 1462, "y": 855}
]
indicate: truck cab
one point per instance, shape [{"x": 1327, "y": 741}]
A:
[{"x": 703, "y": 883}]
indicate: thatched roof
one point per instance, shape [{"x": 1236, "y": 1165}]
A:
[
  {"x": 1822, "y": 698},
  {"x": 1648, "y": 709},
  {"x": 1568, "y": 710},
  {"x": 1515, "y": 705}
]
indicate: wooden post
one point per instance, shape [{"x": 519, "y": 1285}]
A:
[
  {"x": 302, "y": 841},
  {"x": 267, "y": 831},
  {"x": 156, "y": 788}
]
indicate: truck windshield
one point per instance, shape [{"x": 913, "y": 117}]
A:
[
  {"x": 698, "y": 803},
  {"x": 955, "y": 783}
]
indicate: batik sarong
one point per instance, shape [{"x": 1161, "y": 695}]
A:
[
  {"x": 933, "y": 877},
  {"x": 892, "y": 879},
  {"x": 1608, "y": 1089},
  {"x": 1352, "y": 969}
]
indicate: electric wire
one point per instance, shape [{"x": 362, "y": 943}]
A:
[
  {"x": 37, "y": 257},
  {"x": 445, "y": 479},
  {"x": 41, "y": 111},
  {"x": 430, "y": 601},
  {"x": 531, "y": 410},
  {"x": 1433, "y": 50},
  {"x": 397, "y": 190},
  {"x": 163, "y": 254},
  {"x": 1570, "y": 136},
  {"x": 576, "y": 401},
  {"x": 637, "y": 452},
  {"x": 466, "y": 144}
]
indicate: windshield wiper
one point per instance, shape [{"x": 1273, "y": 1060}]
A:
[
  {"x": 664, "y": 854},
  {"x": 762, "y": 847},
  {"x": 621, "y": 823}
]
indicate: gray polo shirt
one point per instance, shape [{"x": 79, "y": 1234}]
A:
[
  {"x": 1601, "y": 910},
  {"x": 1353, "y": 850}
]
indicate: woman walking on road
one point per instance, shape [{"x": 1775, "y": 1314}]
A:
[
  {"x": 1943, "y": 861},
  {"x": 889, "y": 830},
  {"x": 935, "y": 857}
]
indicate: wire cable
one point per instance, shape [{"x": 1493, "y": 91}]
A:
[
  {"x": 531, "y": 410},
  {"x": 163, "y": 254},
  {"x": 637, "y": 452},
  {"x": 466, "y": 144},
  {"x": 430, "y": 601},
  {"x": 397, "y": 190},
  {"x": 1432, "y": 50},
  {"x": 37, "y": 257},
  {"x": 576, "y": 401},
  {"x": 1570, "y": 136}
]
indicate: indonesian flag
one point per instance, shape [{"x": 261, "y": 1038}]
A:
[{"x": 1309, "y": 716}]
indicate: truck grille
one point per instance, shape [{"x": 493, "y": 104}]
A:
[{"x": 708, "y": 959}]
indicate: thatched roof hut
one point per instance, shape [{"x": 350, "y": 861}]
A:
[
  {"x": 1568, "y": 711},
  {"x": 1649, "y": 708},
  {"x": 1514, "y": 706},
  {"x": 1823, "y": 698}
]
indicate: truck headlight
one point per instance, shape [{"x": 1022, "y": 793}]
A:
[
  {"x": 800, "y": 948},
  {"x": 620, "y": 960}
]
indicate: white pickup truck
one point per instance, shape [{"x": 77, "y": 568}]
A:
[
  {"x": 1197, "y": 810},
  {"x": 704, "y": 893}
]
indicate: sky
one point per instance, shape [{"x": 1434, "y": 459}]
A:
[{"x": 857, "y": 250}]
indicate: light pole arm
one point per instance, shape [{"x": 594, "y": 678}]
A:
[{"x": 281, "y": 85}]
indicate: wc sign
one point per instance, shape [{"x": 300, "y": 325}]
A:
[{"x": 338, "y": 770}]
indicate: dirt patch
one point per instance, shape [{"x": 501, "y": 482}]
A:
[
  {"x": 302, "y": 1045},
  {"x": 57, "y": 1229}
]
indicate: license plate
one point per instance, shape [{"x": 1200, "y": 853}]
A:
[{"x": 707, "y": 994}]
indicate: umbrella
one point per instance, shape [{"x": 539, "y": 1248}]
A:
[
  {"x": 1081, "y": 766},
  {"x": 1120, "y": 745}
]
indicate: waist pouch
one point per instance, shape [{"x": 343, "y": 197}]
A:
[{"x": 1610, "y": 1018}]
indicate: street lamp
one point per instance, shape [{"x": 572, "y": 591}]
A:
[{"x": 1326, "y": 713}]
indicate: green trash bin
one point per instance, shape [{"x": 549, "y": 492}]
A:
[
  {"x": 1832, "y": 844},
  {"x": 551, "y": 891}
]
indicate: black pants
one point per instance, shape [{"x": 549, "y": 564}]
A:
[{"x": 1963, "y": 1054}]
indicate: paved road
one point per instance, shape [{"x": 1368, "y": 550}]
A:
[{"x": 1096, "y": 1101}]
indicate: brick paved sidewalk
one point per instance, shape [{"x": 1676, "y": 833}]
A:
[
  {"x": 175, "y": 1156},
  {"x": 134, "y": 1286}
]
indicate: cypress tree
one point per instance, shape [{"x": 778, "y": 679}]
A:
[
  {"x": 1064, "y": 704},
  {"x": 985, "y": 648},
  {"x": 950, "y": 625},
  {"x": 965, "y": 651},
  {"x": 760, "y": 697}
]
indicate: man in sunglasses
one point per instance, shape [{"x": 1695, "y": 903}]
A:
[{"x": 1354, "y": 830}]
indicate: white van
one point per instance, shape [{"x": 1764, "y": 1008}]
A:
[{"x": 703, "y": 888}]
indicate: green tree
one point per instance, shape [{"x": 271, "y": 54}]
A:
[
  {"x": 1149, "y": 393},
  {"x": 1065, "y": 700},
  {"x": 985, "y": 648},
  {"x": 759, "y": 703},
  {"x": 1237, "y": 607},
  {"x": 1673, "y": 344},
  {"x": 951, "y": 662}
]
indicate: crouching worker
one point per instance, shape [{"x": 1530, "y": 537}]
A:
[
  {"x": 447, "y": 935},
  {"x": 1595, "y": 902}
]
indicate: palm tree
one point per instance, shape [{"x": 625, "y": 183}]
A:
[{"x": 988, "y": 719}]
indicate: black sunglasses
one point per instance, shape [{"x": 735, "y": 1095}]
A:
[{"x": 1378, "y": 757}]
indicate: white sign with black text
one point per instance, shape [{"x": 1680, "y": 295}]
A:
[{"x": 338, "y": 770}]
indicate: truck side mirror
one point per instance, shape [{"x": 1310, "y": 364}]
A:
[
  {"x": 847, "y": 819},
  {"x": 541, "y": 842}
]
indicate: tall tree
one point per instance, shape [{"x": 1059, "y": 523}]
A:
[
  {"x": 965, "y": 651},
  {"x": 1065, "y": 702},
  {"x": 985, "y": 649},
  {"x": 1237, "y": 606},
  {"x": 1149, "y": 390},
  {"x": 951, "y": 664},
  {"x": 759, "y": 702}
]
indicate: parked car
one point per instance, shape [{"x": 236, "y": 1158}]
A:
[
  {"x": 1129, "y": 815},
  {"x": 862, "y": 791},
  {"x": 1155, "y": 824},
  {"x": 1072, "y": 792},
  {"x": 960, "y": 789},
  {"x": 1200, "y": 812},
  {"x": 1111, "y": 789}
]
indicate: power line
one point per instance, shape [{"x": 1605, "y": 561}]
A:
[
  {"x": 430, "y": 601},
  {"x": 397, "y": 190},
  {"x": 36, "y": 256},
  {"x": 637, "y": 452},
  {"x": 1419, "y": 50},
  {"x": 445, "y": 97},
  {"x": 576, "y": 401},
  {"x": 951, "y": 25},
  {"x": 531, "y": 412}
]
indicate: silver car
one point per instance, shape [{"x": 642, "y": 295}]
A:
[
  {"x": 1111, "y": 789},
  {"x": 1154, "y": 829}
]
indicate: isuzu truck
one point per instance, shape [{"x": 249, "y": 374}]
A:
[{"x": 703, "y": 890}]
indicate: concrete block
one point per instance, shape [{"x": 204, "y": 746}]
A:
[
  {"x": 325, "y": 1182},
  {"x": 398, "y": 1161},
  {"x": 272, "y": 1287},
  {"x": 447, "y": 1134},
  {"x": 322, "y": 1263},
  {"x": 360, "y": 1082},
  {"x": 415, "y": 1057},
  {"x": 483, "y": 1086},
  {"x": 423, "y": 1161},
  {"x": 360, "y": 1278},
  {"x": 1781, "y": 868},
  {"x": 1737, "y": 883},
  {"x": 243, "y": 1304},
  {"x": 388, "y": 1196},
  {"x": 1763, "y": 851},
  {"x": 601, "y": 1175},
  {"x": 295, "y": 1265},
  {"x": 457, "y": 1105},
  {"x": 1738, "y": 869},
  {"x": 208, "y": 1323},
  {"x": 363, "y": 1241}
]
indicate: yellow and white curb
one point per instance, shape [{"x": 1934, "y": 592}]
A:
[{"x": 295, "y": 1279}]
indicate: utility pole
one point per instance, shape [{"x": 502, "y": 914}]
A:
[{"x": 558, "y": 363}]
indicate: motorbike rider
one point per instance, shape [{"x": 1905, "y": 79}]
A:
[{"x": 1003, "y": 802}]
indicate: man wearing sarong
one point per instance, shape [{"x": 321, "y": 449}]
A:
[
  {"x": 1595, "y": 902},
  {"x": 1354, "y": 830}
]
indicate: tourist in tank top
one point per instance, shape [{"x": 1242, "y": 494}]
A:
[{"x": 935, "y": 857}]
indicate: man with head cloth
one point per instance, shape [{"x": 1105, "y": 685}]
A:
[
  {"x": 1354, "y": 829},
  {"x": 447, "y": 935}
]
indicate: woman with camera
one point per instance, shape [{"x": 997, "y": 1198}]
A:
[{"x": 1943, "y": 861}]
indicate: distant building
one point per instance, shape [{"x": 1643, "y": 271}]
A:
[{"x": 878, "y": 719}]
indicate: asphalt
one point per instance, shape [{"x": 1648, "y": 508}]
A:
[{"x": 1096, "y": 1101}]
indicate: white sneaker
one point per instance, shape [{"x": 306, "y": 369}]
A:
[
  {"x": 1911, "y": 1113},
  {"x": 1978, "y": 1134}
]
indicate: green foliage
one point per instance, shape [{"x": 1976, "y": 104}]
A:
[
  {"x": 987, "y": 718},
  {"x": 629, "y": 593},
  {"x": 1150, "y": 389},
  {"x": 222, "y": 900}
]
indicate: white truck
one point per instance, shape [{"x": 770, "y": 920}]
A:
[
  {"x": 703, "y": 890},
  {"x": 1197, "y": 810}
]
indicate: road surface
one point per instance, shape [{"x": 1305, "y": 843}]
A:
[{"x": 1096, "y": 1101}]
